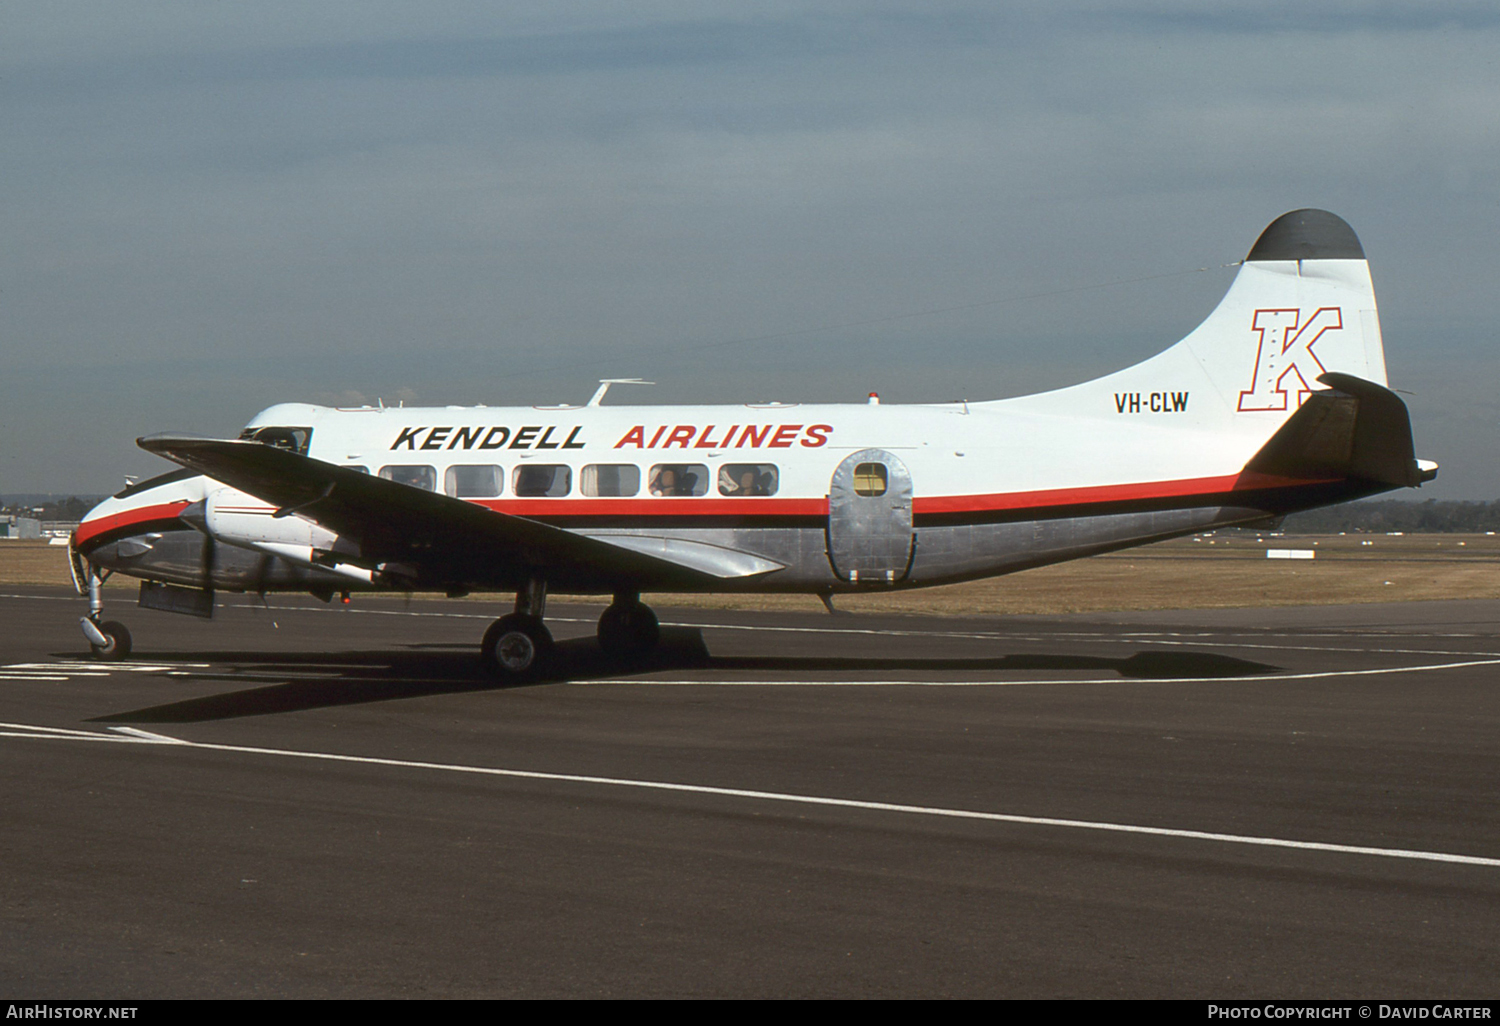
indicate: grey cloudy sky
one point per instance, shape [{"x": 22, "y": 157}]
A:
[{"x": 207, "y": 208}]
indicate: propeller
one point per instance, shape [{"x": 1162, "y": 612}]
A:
[{"x": 196, "y": 517}]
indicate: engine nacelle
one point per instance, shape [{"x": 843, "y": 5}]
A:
[{"x": 234, "y": 518}]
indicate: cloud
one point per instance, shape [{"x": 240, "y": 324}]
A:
[{"x": 214, "y": 208}]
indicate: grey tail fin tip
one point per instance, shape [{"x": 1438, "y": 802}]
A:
[{"x": 1307, "y": 235}]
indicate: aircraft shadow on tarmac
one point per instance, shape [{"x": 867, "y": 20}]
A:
[{"x": 328, "y": 679}]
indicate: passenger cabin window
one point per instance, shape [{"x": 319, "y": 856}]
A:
[
  {"x": 542, "y": 479},
  {"x": 869, "y": 479},
  {"x": 600, "y": 480},
  {"x": 358, "y": 468},
  {"x": 742, "y": 480},
  {"x": 679, "y": 479},
  {"x": 416, "y": 476},
  {"x": 473, "y": 481},
  {"x": 297, "y": 439}
]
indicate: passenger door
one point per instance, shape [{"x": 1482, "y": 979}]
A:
[{"x": 869, "y": 518}]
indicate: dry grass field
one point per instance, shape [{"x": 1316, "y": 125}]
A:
[{"x": 1229, "y": 569}]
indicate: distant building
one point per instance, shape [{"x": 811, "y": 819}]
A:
[{"x": 20, "y": 527}]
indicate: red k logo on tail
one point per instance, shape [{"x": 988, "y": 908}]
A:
[{"x": 1285, "y": 362}]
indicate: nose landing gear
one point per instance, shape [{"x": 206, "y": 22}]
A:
[{"x": 108, "y": 639}]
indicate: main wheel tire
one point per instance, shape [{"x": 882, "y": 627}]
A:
[
  {"x": 118, "y": 646},
  {"x": 628, "y": 630},
  {"x": 516, "y": 647}
]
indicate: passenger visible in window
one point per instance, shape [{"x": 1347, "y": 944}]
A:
[
  {"x": 670, "y": 479},
  {"x": 678, "y": 479},
  {"x": 746, "y": 482},
  {"x": 550, "y": 480},
  {"x": 664, "y": 481},
  {"x": 747, "y": 479}
]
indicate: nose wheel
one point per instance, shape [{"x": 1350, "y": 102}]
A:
[{"x": 108, "y": 639}]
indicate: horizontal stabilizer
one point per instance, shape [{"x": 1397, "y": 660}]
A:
[{"x": 1354, "y": 429}]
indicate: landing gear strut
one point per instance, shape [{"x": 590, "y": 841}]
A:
[
  {"x": 518, "y": 646},
  {"x": 108, "y": 639},
  {"x": 628, "y": 628}
]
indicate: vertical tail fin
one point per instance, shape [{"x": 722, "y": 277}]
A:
[
  {"x": 1301, "y": 306},
  {"x": 1304, "y": 295}
]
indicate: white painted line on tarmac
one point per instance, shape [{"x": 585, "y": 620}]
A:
[
  {"x": 146, "y": 735},
  {"x": 143, "y": 737},
  {"x": 106, "y": 738},
  {"x": 1272, "y": 678},
  {"x": 65, "y": 731},
  {"x": 1217, "y": 639},
  {"x": 64, "y": 670}
]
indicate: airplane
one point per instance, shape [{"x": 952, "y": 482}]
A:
[{"x": 1276, "y": 403}]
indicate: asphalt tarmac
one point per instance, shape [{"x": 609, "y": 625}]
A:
[{"x": 1268, "y": 803}]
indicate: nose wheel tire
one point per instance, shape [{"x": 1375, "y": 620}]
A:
[
  {"x": 516, "y": 648},
  {"x": 628, "y": 629},
  {"x": 117, "y": 642}
]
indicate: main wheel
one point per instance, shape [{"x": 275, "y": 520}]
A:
[
  {"x": 516, "y": 647},
  {"x": 628, "y": 629},
  {"x": 117, "y": 646}
]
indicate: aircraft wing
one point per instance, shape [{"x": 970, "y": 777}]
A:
[{"x": 439, "y": 540}]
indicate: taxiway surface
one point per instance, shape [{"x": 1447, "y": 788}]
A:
[{"x": 1269, "y": 803}]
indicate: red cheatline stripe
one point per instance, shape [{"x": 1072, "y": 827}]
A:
[
  {"x": 93, "y": 528},
  {"x": 1047, "y": 499},
  {"x": 1144, "y": 490},
  {"x": 657, "y": 506}
]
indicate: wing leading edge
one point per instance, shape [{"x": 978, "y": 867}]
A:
[{"x": 436, "y": 540}]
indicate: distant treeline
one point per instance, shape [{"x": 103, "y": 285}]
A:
[
  {"x": 48, "y": 507},
  {"x": 1382, "y": 515}
]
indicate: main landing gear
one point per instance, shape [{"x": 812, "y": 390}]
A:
[
  {"x": 518, "y": 646},
  {"x": 108, "y": 639},
  {"x": 628, "y": 628}
]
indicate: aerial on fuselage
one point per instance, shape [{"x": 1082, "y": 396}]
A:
[{"x": 1276, "y": 403}]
